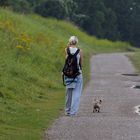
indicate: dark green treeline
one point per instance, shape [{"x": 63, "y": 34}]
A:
[{"x": 111, "y": 19}]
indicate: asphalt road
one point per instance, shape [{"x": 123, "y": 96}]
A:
[{"x": 117, "y": 119}]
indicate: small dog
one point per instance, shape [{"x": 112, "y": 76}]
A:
[{"x": 97, "y": 105}]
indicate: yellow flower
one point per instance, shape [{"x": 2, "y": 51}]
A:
[
  {"x": 25, "y": 38},
  {"x": 19, "y": 47},
  {"x": 28, "y": 48}
]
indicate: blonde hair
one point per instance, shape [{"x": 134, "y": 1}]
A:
[{"x": 73, "y": 40}]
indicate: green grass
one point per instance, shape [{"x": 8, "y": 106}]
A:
[
  {"x": 135, "y": 58},
  {"x": 31, "y": 60}
]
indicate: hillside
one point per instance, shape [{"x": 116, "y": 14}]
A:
[{"x": 31, "y": 59}]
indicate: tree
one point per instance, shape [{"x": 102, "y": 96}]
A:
[
  {"x": 34, "y": 3},
  {"x": 70, "y": 8},
  {"x": 51, "y": 9},
  {"x": 21, "y": 6},
  {"x": 128, "y": 19},
  {"x": 134, "y": 28},
  {"x": 4, "y": 3},
  {"x": 94, "y": 12}
]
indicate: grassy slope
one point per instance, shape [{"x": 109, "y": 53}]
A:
[{"x": 31, "y": 59}]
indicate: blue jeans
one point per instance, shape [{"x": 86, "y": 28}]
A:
[{"x": 73, "y": 96}]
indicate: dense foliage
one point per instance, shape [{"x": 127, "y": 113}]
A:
[{"x": 112, "y": 19}]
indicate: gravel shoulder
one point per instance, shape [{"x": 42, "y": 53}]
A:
[{"x": 117, "y": 119}]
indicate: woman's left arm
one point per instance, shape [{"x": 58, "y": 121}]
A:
[{"x": 81, "y": 57}]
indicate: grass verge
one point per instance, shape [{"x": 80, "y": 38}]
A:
[{"x": 135, "y": 58}]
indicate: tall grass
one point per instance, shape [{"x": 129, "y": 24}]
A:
[
  {"x": 31, "y": 59},
  {"x": 135, "y": 58}
]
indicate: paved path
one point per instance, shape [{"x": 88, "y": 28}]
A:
[{"x": 117, "y": 120}]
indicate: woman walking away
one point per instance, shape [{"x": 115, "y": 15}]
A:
[{"x": 73, "y": 79}]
